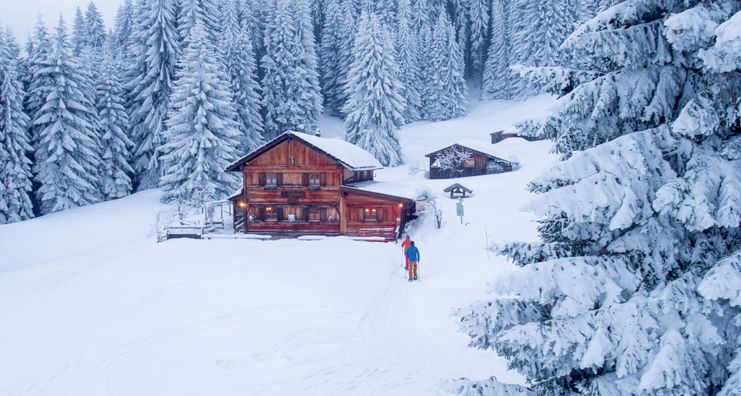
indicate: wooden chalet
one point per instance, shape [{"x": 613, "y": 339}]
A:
[
  {"x": 299, "y": 184},
  {"x": 482, "y": 160}
]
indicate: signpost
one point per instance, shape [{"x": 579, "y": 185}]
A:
[{"x": 459, "y": 209}]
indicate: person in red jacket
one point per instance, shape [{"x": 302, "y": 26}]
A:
[{"x": 404, "y": 246}]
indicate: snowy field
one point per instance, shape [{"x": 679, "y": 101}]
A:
[{"x": 91, "y": 305}]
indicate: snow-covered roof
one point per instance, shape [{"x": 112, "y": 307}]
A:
[
  {"x": 348, "y": 154},
  {"x": 401, "y": 190},
  {"x": 481, "y": 147}
]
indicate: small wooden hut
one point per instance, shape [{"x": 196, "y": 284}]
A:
[{"x": 468, "y": 158}]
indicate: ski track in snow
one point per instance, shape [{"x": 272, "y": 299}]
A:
[{"x": 92, "y": 309}]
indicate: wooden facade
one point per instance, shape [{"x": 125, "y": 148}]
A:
[
  {"x": 294, "y": 188},
  {"x": 478, "y": 163}
]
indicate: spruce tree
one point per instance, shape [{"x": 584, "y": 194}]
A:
[
  {"x": 334, "y": 57},
  {"x": 478, "y": 16},
  {"x": 202, "y": 137},
  {"x": 374, "y": 103},
  {"x": 239, "y": 59},
  {"x": 115, "y": 170},
  {"x": 310, "y": 102},
  {"x": 38, "y": 84},
  {"x": 79, "y": 32},
  {"x": 150, "y": 87},
  {"x": 291, "y": 94},
  {"x": 408, "y": 56},
  {"x": 445, "y": 81},
  {"x": 15, "y": 165},
  {"x": 539, "y": 29},
  {"x": 498, "y": 79},
  {"x": 96, "y": 34},
  {"x": 191, "y": 12},
  {"x": 634, "y": 287},
  {"x": 67, "y": 148}
]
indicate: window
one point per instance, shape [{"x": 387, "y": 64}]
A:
[
  {"x": 271, "y": 179},
  {"x": 315, "y": 180},
  {"x": 370, "y": 214},
  {"x": 470, "y": 162},
  {"x": 315, "y": 215},
  {"x": 271, "y": 214}
]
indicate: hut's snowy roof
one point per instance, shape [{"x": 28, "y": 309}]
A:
[
  {"x": 402, "y": 190},
  {"x": 348, "y": 154},
  {"x": 483, "y": 148}
]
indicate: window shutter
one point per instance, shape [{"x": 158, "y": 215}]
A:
[
  {"x": 261, "y": 213},
  {"x": 261, "y": 178},
  {"x": 304, "y": 179},
  {"x": 323, "y": 214},
  {"x": 379, "y": 215},
  {"x": 322, "y": 179},
  {"x": 279, "y": 179},
  {"x": 305, "y": 212},
  {"x": 279, "y": 211}
]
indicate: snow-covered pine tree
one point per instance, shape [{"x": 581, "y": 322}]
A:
[
  {"x": 252, "y": 17},
  {"x": 38, "y": 85},
  {"x": 374, "y": 103},
  {"x": 291, "y": 94},
  {"x": 634, "y": 287},
  {"x": 150, "y": 87},
  {"x": 539, "y": 27},
  {"x": 192, "y": 11},
  {"x": 124, "y": 24},
  {"x": 67, "y": 148},
  {"x": 239, "y": 59},
  {"x": 15, "y": 148},
  {"x": 498, "y": 80},
  {"x": 96, "y": 34},
  {"x": 478, "y": 30},
  {"x": 310, "y": 92},
  {"x": 447, "y": 91},
  {"x": 407, "y": 54},
  {"x": 202, "y": 136},
  {"x": 79, "y": 32},
  {"x": 334, "y": 57},
  {"x": 115, "y": 170}
]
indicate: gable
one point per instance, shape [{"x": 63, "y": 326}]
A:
[
  {"x": 321, "y": 151},
  {"x": 292, "y": 152}
]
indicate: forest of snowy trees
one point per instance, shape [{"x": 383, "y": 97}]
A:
[{"x": 91, "y": 113}]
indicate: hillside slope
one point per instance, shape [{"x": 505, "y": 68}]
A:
[{"x": 91, "y": 305}]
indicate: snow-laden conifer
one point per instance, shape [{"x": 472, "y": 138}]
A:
[
  {"x": 115, "y": 170},
  {"x": 291, "y": 94},
  {"x": 38, "y": 84},
  {"x": 374, "y": 103},
  {"x": 408, "y": 56},
  {"x": 67, "y": 148},
  {"x": 150, "y": 86},
  {"x": 335, "y": 54},
  {"x": 15, "y": 148},
  {"x": 96, "y": 33},
  {"x": 190, "y": 12},
  {"x": 628, "y": 291},
  {"x": 79, "y": 32},
  {"x": 478, "y": 12},
  {"x": 239, "y": 59},
  {"x": 202, "y": 137},
  {"x": 498, "y": 80},
  {"x": 447, "y": 91}
]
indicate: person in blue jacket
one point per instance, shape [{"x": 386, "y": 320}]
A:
[{"x": 413, "y": 256}]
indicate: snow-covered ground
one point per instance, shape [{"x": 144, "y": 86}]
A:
[{"x": 91, "y": 305}]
